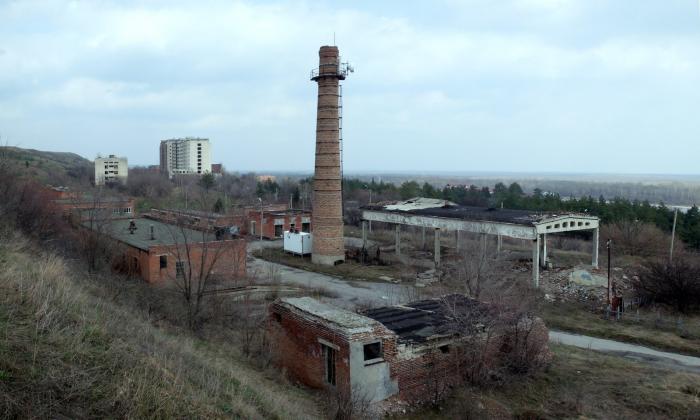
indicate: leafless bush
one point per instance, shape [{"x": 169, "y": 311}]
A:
[
  {"x": 674, "y": 283},
  {"x": 501, "y": 336},
  {"x": 636, "y": 238},
  {"x": 345, "y": 405},
  {"x": 477, "y": 268},
  {"x": 145, "y": 183},
  {"x": 566, "y": 243}
]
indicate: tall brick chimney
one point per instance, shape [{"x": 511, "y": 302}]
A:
[{"x": 327, "y": 217}]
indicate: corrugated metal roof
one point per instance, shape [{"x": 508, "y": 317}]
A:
[
  {"x": 419, "y": 321},
  {"x": 442, "y": 208}
]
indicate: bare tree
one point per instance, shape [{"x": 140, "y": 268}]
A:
[
  {"x": 93, "y": 214},
  {"x": 202, "y": 262},
  {"x": 636, "y": 238},
  {"x": 477, "y": 266}
]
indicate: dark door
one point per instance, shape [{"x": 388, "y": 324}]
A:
[{"x": 329, "y": 361}]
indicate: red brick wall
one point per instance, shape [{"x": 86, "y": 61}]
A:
[
  {"x": 420, "y": 378},
  {"x": 294, "y": 338},
  {"x": 199, "y": 222},
  {"x": 228, "y": 259},
  {"x": 296, "y": 348},
  {"x": 269, "y": 225}
]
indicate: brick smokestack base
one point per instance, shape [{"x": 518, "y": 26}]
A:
[{"x": 327, "y": 217}]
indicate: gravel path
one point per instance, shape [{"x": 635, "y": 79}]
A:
[
  {"x": 351, "y": 294},
  {"x": 631, "y": 351}
]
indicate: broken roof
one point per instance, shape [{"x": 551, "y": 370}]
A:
[
  {"x": 442, "y": 208},
  {"x": 349, "y": 321},
  {"x": 164, "y": 234},
  {"x": 420, "y": 321}
]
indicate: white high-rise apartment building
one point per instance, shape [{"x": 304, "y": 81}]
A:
[
  {"x": 186, "y": 156},
  {"x": 111, "y": 169}
]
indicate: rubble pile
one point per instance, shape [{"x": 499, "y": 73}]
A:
[{"x": 582, "y": 284}]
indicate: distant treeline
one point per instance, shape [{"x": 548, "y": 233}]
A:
[
  {"x": 667, "y": 190},
  {"x": 513, "y": 197}
]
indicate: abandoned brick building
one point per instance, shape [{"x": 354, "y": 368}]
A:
[
  {"x": 409, "y": 352},
  {"x": 199, "y": 220},
  {"x": 81, "y": 206},
  {"x": 276, "y": 221},
  {"x": 158, "y": 251}
]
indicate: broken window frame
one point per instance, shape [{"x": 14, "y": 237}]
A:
[
  {"x": 179, "y": 269},
  {"x": 379, "y": 353}
]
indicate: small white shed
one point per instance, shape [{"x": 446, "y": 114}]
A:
[{"x": 298, "y": 243}]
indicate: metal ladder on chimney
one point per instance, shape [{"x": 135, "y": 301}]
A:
[{"x": 340, "y": 142}]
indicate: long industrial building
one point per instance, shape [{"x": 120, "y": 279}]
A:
[{"x": 442, "y": 215}]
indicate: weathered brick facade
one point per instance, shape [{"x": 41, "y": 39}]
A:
[
  {"x": 198, "y": 220},
  {"x": 274, "y": 223},
  {"x": 154, "y": 250},
  {"x": 408, "y": 372},
  {"x": 328, "y": 246},
  {"x": 227, "y": 258}
]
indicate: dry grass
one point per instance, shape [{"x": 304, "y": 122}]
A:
[
  {"x": 643, "y": 329},
  {"x": 349, "y": 270},
  {"x": 68, "y": 352},
  {"x": 581, "y": 384}
]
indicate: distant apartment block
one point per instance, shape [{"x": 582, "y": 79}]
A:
[
  {"x": 185, "y": 156},
  {"x": 111, "y": 169}
]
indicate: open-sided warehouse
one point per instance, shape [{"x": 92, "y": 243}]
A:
[{"x": 442, "y": 215}]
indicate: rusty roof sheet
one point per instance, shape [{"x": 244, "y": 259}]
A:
[{"x": 420, "y": 321}]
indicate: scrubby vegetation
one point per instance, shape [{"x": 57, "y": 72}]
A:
[
  {"x": 579, "y": 384},
  {"x": 70, "y": 348}
]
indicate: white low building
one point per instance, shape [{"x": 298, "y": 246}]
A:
[{"x": 111, "y": 169}]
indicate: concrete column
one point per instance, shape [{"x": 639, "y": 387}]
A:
[
  {"x": 482, "y": 238},
  {"x": 499, "y": 243},
  {"x": 370, "y": 226},
  {"x": 398, "y": 239},
  {"x": 596, "y": 239},
  {"x": 422, "y": 242},
  {"x": 544, "y": 250},
  {"x": 437, "y": 247},
  {"x": 535, "y": 262},
  {"x": 364, "y": 234},
  {"x": 458, "y": 240}
]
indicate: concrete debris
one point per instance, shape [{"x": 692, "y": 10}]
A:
[
  {"x": 584, "y": 278},
  {"x": 389, "y": 279},
  {"x": 427, "y": 278},
  {"x": 558, "y": 286}
]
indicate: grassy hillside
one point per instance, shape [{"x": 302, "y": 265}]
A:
[
  {"x": 56, "y": 168},
  {"x": 581, "y": 384},
  {"x": 66, "y": 351}
]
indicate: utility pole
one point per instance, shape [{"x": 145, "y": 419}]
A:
[
  {"x": 609, "y": 246},
  {"x": 673, "y": 235},
  {"x": 370, "y": 202}
]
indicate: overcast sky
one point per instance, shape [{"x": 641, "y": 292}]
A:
[{"x": 479, "y": 85}]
